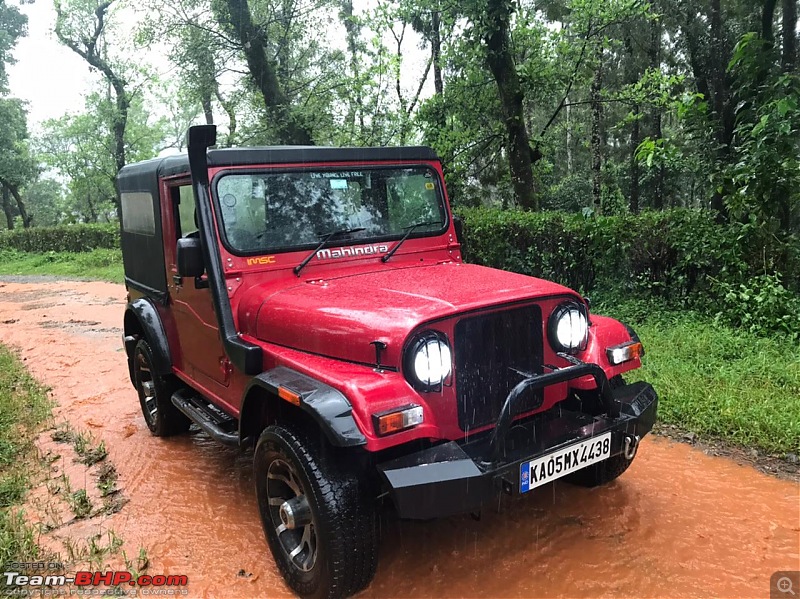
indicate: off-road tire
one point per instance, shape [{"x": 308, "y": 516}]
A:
[
  {"x": 167, "y": 420},
  {"x": 343, "y": 511},
  {"x": 603, "y": 472}
]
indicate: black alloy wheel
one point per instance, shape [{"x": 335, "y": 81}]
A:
[
  {"x": 155, "y": 392},
  {"x": 318, "y": 516}
]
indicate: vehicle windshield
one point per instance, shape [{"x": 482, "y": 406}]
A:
[{"x": 274, "y": 211}]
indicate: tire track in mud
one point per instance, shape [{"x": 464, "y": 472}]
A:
[{"x": 677, "y": 524}]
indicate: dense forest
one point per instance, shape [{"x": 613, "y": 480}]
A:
[{"x": 600, "y": 107}]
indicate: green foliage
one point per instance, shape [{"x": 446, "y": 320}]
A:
[
  {"x": 717, "y": 380},
  {"x": 662, "y": 254},
  {"x": 65, "y": 238},
  {"x": 80, "y": 504},
  {"x": 765, "y": 170},
  {"x": 24, "y": 405},
  {"x": 13, "y": 25},
  {"x": 761, "y": 305},
  {"x": 679, "y": 257},
  {"x": 101, "y": 265},
  {"x": 17, "y": 165},
  {"x": 81, "y": 147}
]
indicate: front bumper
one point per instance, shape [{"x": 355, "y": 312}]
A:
[{"x": 458, "y": 477}]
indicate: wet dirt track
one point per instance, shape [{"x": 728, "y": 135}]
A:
[{"x": 677, "y": 524}]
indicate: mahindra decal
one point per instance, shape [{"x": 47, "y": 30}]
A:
[{"x": 352, "y": 251}]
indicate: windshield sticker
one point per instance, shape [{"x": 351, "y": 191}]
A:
[
  {"x": 429, "y": 186},
  {"x": 349, "y": 252},
  {"x": 336, "y": 175},
  {"x": 338, "y": 183}
]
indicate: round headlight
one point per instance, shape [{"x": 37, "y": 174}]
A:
[
  {"x": 428, "y": 361},
  {"x": 568, "y": 328}
]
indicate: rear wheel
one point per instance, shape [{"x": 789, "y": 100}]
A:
[
  {"x": 155, "y": 392},
  {"x": 318, "y": 517},
  {"x": 603, "y": 472}
]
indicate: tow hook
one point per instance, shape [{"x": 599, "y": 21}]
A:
[{"x": 631, "y": 445}]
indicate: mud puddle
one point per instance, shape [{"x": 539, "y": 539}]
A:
[{"x": 679, "y": 523}]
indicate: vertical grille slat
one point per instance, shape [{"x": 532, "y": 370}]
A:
[{"x": 488, "y": 350}]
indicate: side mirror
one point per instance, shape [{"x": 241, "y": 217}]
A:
[
  {"x": 458, "y": 224},
  {"x": 190, "y": 257}
]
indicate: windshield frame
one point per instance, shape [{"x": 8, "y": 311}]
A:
[{"x": 334, "y": 167}]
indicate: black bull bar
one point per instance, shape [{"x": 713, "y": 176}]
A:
[{"x": 459, "y": 476}]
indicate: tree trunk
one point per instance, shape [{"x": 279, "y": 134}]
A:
[
  {"x": 634, "y": 162},
  {"x": 789, "y": 57},
  {"x": 436, "y": 53},
  {"x": 230, "y": 110},
  {"x": 596, "y": 142},
  {"x": 353, "y": 31},
  {"x": 88, "y": 49},
  {"x": 264, "y": 75},
  {"x": 208, "y": 112},
  {"x": 7, "y": 208},
  {"x": 655, "y": 64},
  {"x": 27, "y": 219},
  {"x": 767, "y": 14},
  {"x": 501, "y": 64},
  {"x": 721, "y": 100},
  {"x": 569, "y": 136}
]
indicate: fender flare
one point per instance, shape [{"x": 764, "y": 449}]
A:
[
  {"x": 329, "y": 408},
  {"x": 152, "y": 329}
]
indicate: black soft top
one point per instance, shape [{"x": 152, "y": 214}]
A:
[{"x": 179, "y": 163}]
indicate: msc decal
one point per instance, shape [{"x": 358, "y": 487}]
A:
[
  {"x": 261, "y": 260},
  {"x": 363, "y": 250}
]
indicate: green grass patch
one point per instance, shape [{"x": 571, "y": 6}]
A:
[
  {"x": 716, "y": 380},
  {"x": 24, "y": 405},
  {"x": 98, "y": 264}
]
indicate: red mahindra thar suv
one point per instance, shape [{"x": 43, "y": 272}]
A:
[{"x": 311, "y": 302}]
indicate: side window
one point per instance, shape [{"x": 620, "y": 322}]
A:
[{"x": 184, "y": 221}]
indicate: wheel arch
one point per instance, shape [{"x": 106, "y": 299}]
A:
[
  {"x": 142, "y": 321},
  {"x": 319, "y": 403}
]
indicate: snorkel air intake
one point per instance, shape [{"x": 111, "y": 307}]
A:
[{"x": 243, "y": 355}]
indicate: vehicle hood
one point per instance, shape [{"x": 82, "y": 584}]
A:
[{"x": 339, "y": 316}]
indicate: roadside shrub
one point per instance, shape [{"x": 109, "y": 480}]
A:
[
  {"x": 679, "y": 257},
  {"x": 64, "y": 238},
  {"x": 761, "y": 305}
]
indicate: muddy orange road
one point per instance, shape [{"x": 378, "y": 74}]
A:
[{"x": 677, "y": 524}]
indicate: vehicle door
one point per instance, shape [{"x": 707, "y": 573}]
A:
[{"x": 202, "y": 355}]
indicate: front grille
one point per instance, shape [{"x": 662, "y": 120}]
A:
[{"x": 488, "y": 350}]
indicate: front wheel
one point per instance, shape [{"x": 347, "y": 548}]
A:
[
  {"x": 610, "y": 469},
  {"x": 318, "y": 517},
  {"x": 601, "y": 473}
]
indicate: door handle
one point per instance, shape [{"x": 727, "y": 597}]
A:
[{"x": 177, "y": 280}]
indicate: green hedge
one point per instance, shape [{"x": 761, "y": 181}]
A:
[
  {"x": 679, "y": 256},
  {"x": 674, "y": 254},
  {"x": 65, "y": 238}
]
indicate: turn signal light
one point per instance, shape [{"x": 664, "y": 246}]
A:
[
  {"x": 624, "y": 352},
  {"x": 395, "y": 421},
  {"x": 289, "y": 395}
]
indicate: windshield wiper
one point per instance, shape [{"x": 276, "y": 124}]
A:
[
  {"x": 409, "y": 230},
  {"x": 326, "y": 237}
]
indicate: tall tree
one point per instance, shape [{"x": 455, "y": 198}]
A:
[
  {"x": 13, "y": 25},
  {"x": 81, "y": 26},
  {"x": 263, "y": 71},
  {"x": 496, "y": 34},
  {"x": 17, "y": 165}
]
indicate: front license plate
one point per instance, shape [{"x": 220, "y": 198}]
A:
[{"x": 560, "y": 463}]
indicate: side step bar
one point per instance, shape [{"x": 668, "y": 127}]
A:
[{"x": 218, "y": 425}]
